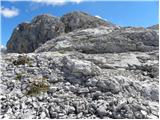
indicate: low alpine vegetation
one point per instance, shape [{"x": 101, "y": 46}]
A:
[
  {"x": 37, "y": 88},
  {"x": 22, "y": 60}
]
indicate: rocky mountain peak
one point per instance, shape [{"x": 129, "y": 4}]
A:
[
  {"x": 27, "y": 37},
  {"x": 44, "y": 17}
]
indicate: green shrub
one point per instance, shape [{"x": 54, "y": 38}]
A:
[
  {"x": 37, "y": 88},
  {"x": 19, "y": 76},
  {"x": 22, "y": 60},
  {"x": 45, "y": 78}
]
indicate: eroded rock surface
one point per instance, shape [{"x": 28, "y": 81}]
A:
[{"x": 104, "y": 40}]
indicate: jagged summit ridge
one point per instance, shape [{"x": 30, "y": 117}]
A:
[
  {"x": 44, "y": 18},
  {"x": 81, "y": 20},
  {"x": 29, "y": 36}
]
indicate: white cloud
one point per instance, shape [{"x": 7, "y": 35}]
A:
[
  {"x": 77, "y": 1},
  {"x": 56, "y": 2},
  {"x": 2, "y": 47},
  {"x": 9, "y": 12},
  {"x": 2, "y": 50}
]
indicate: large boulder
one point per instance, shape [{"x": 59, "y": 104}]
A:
[
  {"x": 81, "y": 67},
  {"x": 27, "y": 37}
]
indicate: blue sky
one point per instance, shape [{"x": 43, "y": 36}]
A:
[{"x": 124, "y": 13}]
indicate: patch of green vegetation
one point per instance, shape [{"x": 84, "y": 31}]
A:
[
  {"x": 22, "y": 60},
  {"x": 30, "y": 64},
  {"x": 19, "y": 76},
  {"x": 37, "y": 88},
  {"x": 45, "y": 78}
]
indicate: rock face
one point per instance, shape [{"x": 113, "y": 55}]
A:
[
  {"x": 27, "y": 37},
  {"x": 104, "y": 40}
]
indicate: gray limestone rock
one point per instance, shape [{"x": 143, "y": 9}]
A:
[
  {"x": 104, "y": 40},
  {"x": 101, "y": 111}
]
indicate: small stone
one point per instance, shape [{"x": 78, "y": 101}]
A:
[
  {"x": 23, "y": 106},
  {"x": 43, "y": 115},
  {"x": 97, "y": 94},
  {"x": 101, "y": 111},
  {"x": 83, "y": 90},
  {"x": 67, "y": 84},
  {"x": 53, "y": 115},
  {"x": 138, "y": 115},
  {"x": 29, "y": 100},
  {"x": 91, "y": 82},
  {"x": 71, "y": 109},
  {"x": 80, "y": 115},
  {"x": 40, "y": 98},
  {"x": 35, "y": 105},
  {"x": 73, "y": 89},
  {"x": 67, "y": 88},
  {"x": 144, "y": 112},
  {"x": 52, "y": 89},
  {"x": 3, "y": 88}
]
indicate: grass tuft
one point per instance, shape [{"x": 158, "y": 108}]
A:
[
  {"x": 19, "y": 76},
  {"x": 22, "y": 60},
  {"x": 37, "y": 88}
]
